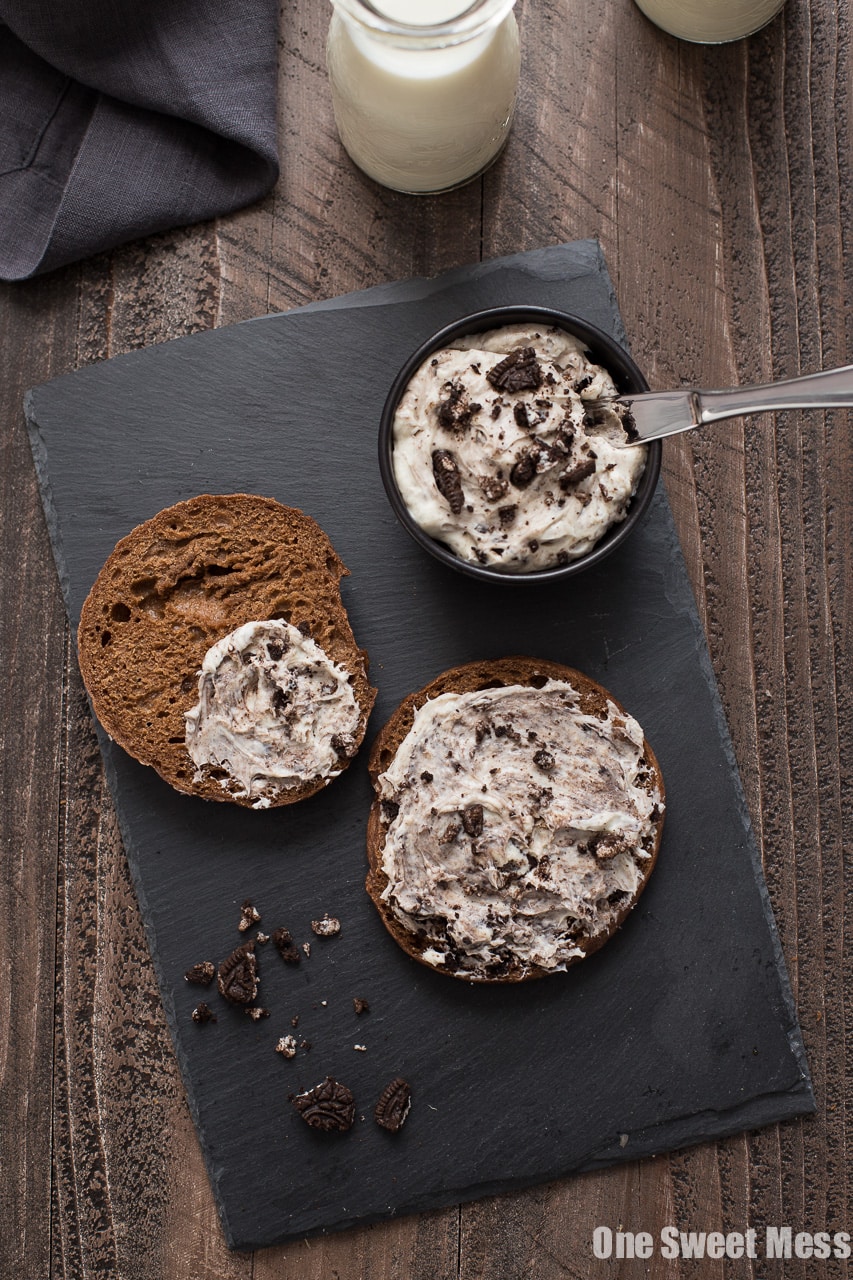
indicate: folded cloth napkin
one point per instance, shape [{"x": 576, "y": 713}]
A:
[{"x": 119, "y": 118}]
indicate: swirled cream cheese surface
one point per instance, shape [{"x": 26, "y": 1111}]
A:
[
  {"x": 274, "y": 711},
  {"x": 505, "y": 449},
  {"x": 519, "y": 825}
]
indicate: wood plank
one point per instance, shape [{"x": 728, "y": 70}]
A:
[{"x": 36, "y": 334}]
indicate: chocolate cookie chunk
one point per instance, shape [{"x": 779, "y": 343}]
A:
[
  {"x": 237, "y": 980},
  {"x": 394, "y": 1105},
  {"x": 520, "y": 371},
  {"x": 445, "y": 470},
  {"x": 329, "y": 1106}
]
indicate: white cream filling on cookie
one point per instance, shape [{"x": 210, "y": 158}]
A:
[
  {"x": 515, "y": 479},
  {"x": 274, "y": 712},
  {"x": 519, "y": 825}
]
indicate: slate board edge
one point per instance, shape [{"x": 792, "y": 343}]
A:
[
  {"x": 39, "y": 452},
  {"x": 108, "y": 752},
  {"x": 660, "y": 1140},
  {"x": 795, "y": 1037}
]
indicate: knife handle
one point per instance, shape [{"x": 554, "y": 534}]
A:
[{"x": 829, "y": 389}]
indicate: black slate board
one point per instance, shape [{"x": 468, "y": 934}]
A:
[{"x": 682, "y": 1028}]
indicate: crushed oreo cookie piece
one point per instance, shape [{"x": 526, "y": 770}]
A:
[
  {"x": 237, "y": 979},
  {"x": 328, "y": 927},
  {"x": 203, "y": 1013},
  {"x": 507, "y": 515},
  {"x": 472, "y": 820},
  {"x": 455, "y": 412},
  {"x": 543, "y": 759},
  {"x": 607, "y": 844},
  {"x": 344, "y": 746},
  {"x": 520, "y": 371},
  {"x": 493, "y": 487},
  {"x": 629, "y": 425},
  {"x": 390, "y": 809},
  {"x": 523, "y": 469},
  {"x": 329, "y": 1106},
  {"x": 249, "y": 915},
  {"x": 570, "y": 478},
  {"x": 286, "y": 1046},
  {"x": 202, "y": 974},
  {"x": 277, "y": 648},
  {"x": 522, "y": 417},
  {"x": 394, "y": 1104},
  {"x": 360, "y": 1005},
  {"x": 281, "y": 700},
  {"x": 445, "y": 470},
  {"x": 285, "y": 946},
  {"x": 256, "y": 1013}
]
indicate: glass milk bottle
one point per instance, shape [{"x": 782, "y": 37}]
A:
[
  {"x": 423, "y": 90},
  {"x": 710, "y": 21}
]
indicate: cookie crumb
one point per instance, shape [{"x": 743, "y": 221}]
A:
[
  {"x": 203, "y": 1013},
  {"x": 262, "y": 937},
  {"x": 328, "y": 927},
  {"x": 362, "y": 1048},
  {"x": 306, "y": 947},
  {"x": 287, "y": 1046},
  {"x": 249, "y": 915},
  {"x": 360, "y": 1005},
  {"x": 256, "y": 1013},
  {"x": 284, "y": 944},
  {"x": 201, "y": 974}
]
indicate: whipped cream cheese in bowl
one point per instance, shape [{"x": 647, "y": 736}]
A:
[{"x": 500, "y": 447}]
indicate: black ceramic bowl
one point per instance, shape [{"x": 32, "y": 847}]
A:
[{"x": 604, "y": 351}]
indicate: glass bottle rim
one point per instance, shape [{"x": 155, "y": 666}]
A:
[{"x": 476, "y": 17}]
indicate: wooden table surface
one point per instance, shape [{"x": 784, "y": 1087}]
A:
[{"x": 718, "y": 181}]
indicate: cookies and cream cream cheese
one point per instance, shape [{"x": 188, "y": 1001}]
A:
[
  {"x": 518, "y": 826},
  {"x": 499, "y": 453},
  {"x": 274, "y": 711}
]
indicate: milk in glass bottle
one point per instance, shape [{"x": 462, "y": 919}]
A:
[
  {"x": 423, "y": 90},
  {"x": 710, "y": 21}
]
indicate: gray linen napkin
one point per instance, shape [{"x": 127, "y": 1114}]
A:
[{"x": 119, "y": 118}]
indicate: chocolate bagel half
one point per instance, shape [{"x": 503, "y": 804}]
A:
[
  {"x": 215, "y": 647},
  {"x": 517, "y": 818}
]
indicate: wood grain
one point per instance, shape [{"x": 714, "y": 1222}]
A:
[{"x": 719, "y": 183}]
